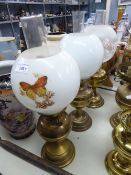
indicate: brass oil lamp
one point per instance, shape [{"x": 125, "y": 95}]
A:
[
  {"x": 123, "y": 94},
  {"x": 47, "y": 87},
  {"x": 81, "y": 119},
  {"x": 118, "y": 161},
  {"x": 86, "y": 47},
  {"x": 108, "y": 38},
  {"x": 100, "y": 77}
]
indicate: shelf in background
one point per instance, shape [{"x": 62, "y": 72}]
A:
[
  {"x": 51, "y": 17},
  {"x": 84, "y": 4},
  {"x": 58, "y": 16},
  {"x": 20, "y": 2},
  {"x": 44, "y": 7},
  {"x": 54, "y": 3},
  {"x": 3, "y": 2},
  {"x": 72, "y": 4},
  {"x": 24, "y": 2},
  {"x": 37, "y": 3},
  {"x": 14, "y": 21},
  {"x": 15, "y": 2},
  {"x": 5, "y": 22}
]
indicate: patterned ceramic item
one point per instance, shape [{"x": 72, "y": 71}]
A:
[
  {"x": 46, "y": 79},
  {"x": 8, "y": 48},
  {"x": 18, "y": 120},
  {"x": 86, "y": 50}
]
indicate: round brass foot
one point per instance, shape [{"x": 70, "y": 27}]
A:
[
  {"x": 96, "y": 101},
  {"x": 61, "y": 153},
  {"x": 81, "y": 120},
  {"x": 115, "y": 119},
  {"x": 113, "y": 167},
  {"x": 110, "y": 164}
]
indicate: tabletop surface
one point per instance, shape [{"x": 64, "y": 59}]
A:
[{"x": 91, "y": 146}]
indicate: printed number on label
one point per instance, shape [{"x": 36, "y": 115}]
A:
[{"x": 22, "y": 68}]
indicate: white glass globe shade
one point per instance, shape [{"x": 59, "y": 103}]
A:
[
  {"x": 45, "y": 79},
  {"x": 108, "y": 37},
  {"x": 88, "y": 51}
]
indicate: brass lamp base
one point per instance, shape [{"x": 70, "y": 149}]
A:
[
  {"x": 96, "y": 101},
  {"x": 81, "y": 120},
  {"x": 115, "y": 119},
  {"x": 112, "y": 166},
  {"x": 62, "y": 153},
  {"x": 118, "y": 161},
  {"x": 54, "y": 129}
]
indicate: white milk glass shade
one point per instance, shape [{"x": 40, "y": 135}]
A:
[
  {"x": 108, "y": 37},
  {"x": 88, "y": 52},
  {"x": 45, "y": 79}
]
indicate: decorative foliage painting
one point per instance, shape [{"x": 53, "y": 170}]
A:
[
  {"x": 38, "y": 92},
  {"x": 124, "y": 2}
]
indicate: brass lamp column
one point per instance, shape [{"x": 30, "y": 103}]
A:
[
  {"x": 81, "y": 120},
  {"x": 54, "y": 129},
  {"x": 118, "y": 161},
  {"x": 96, "y": 100},
  {"x": 123, "y": 94}
]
